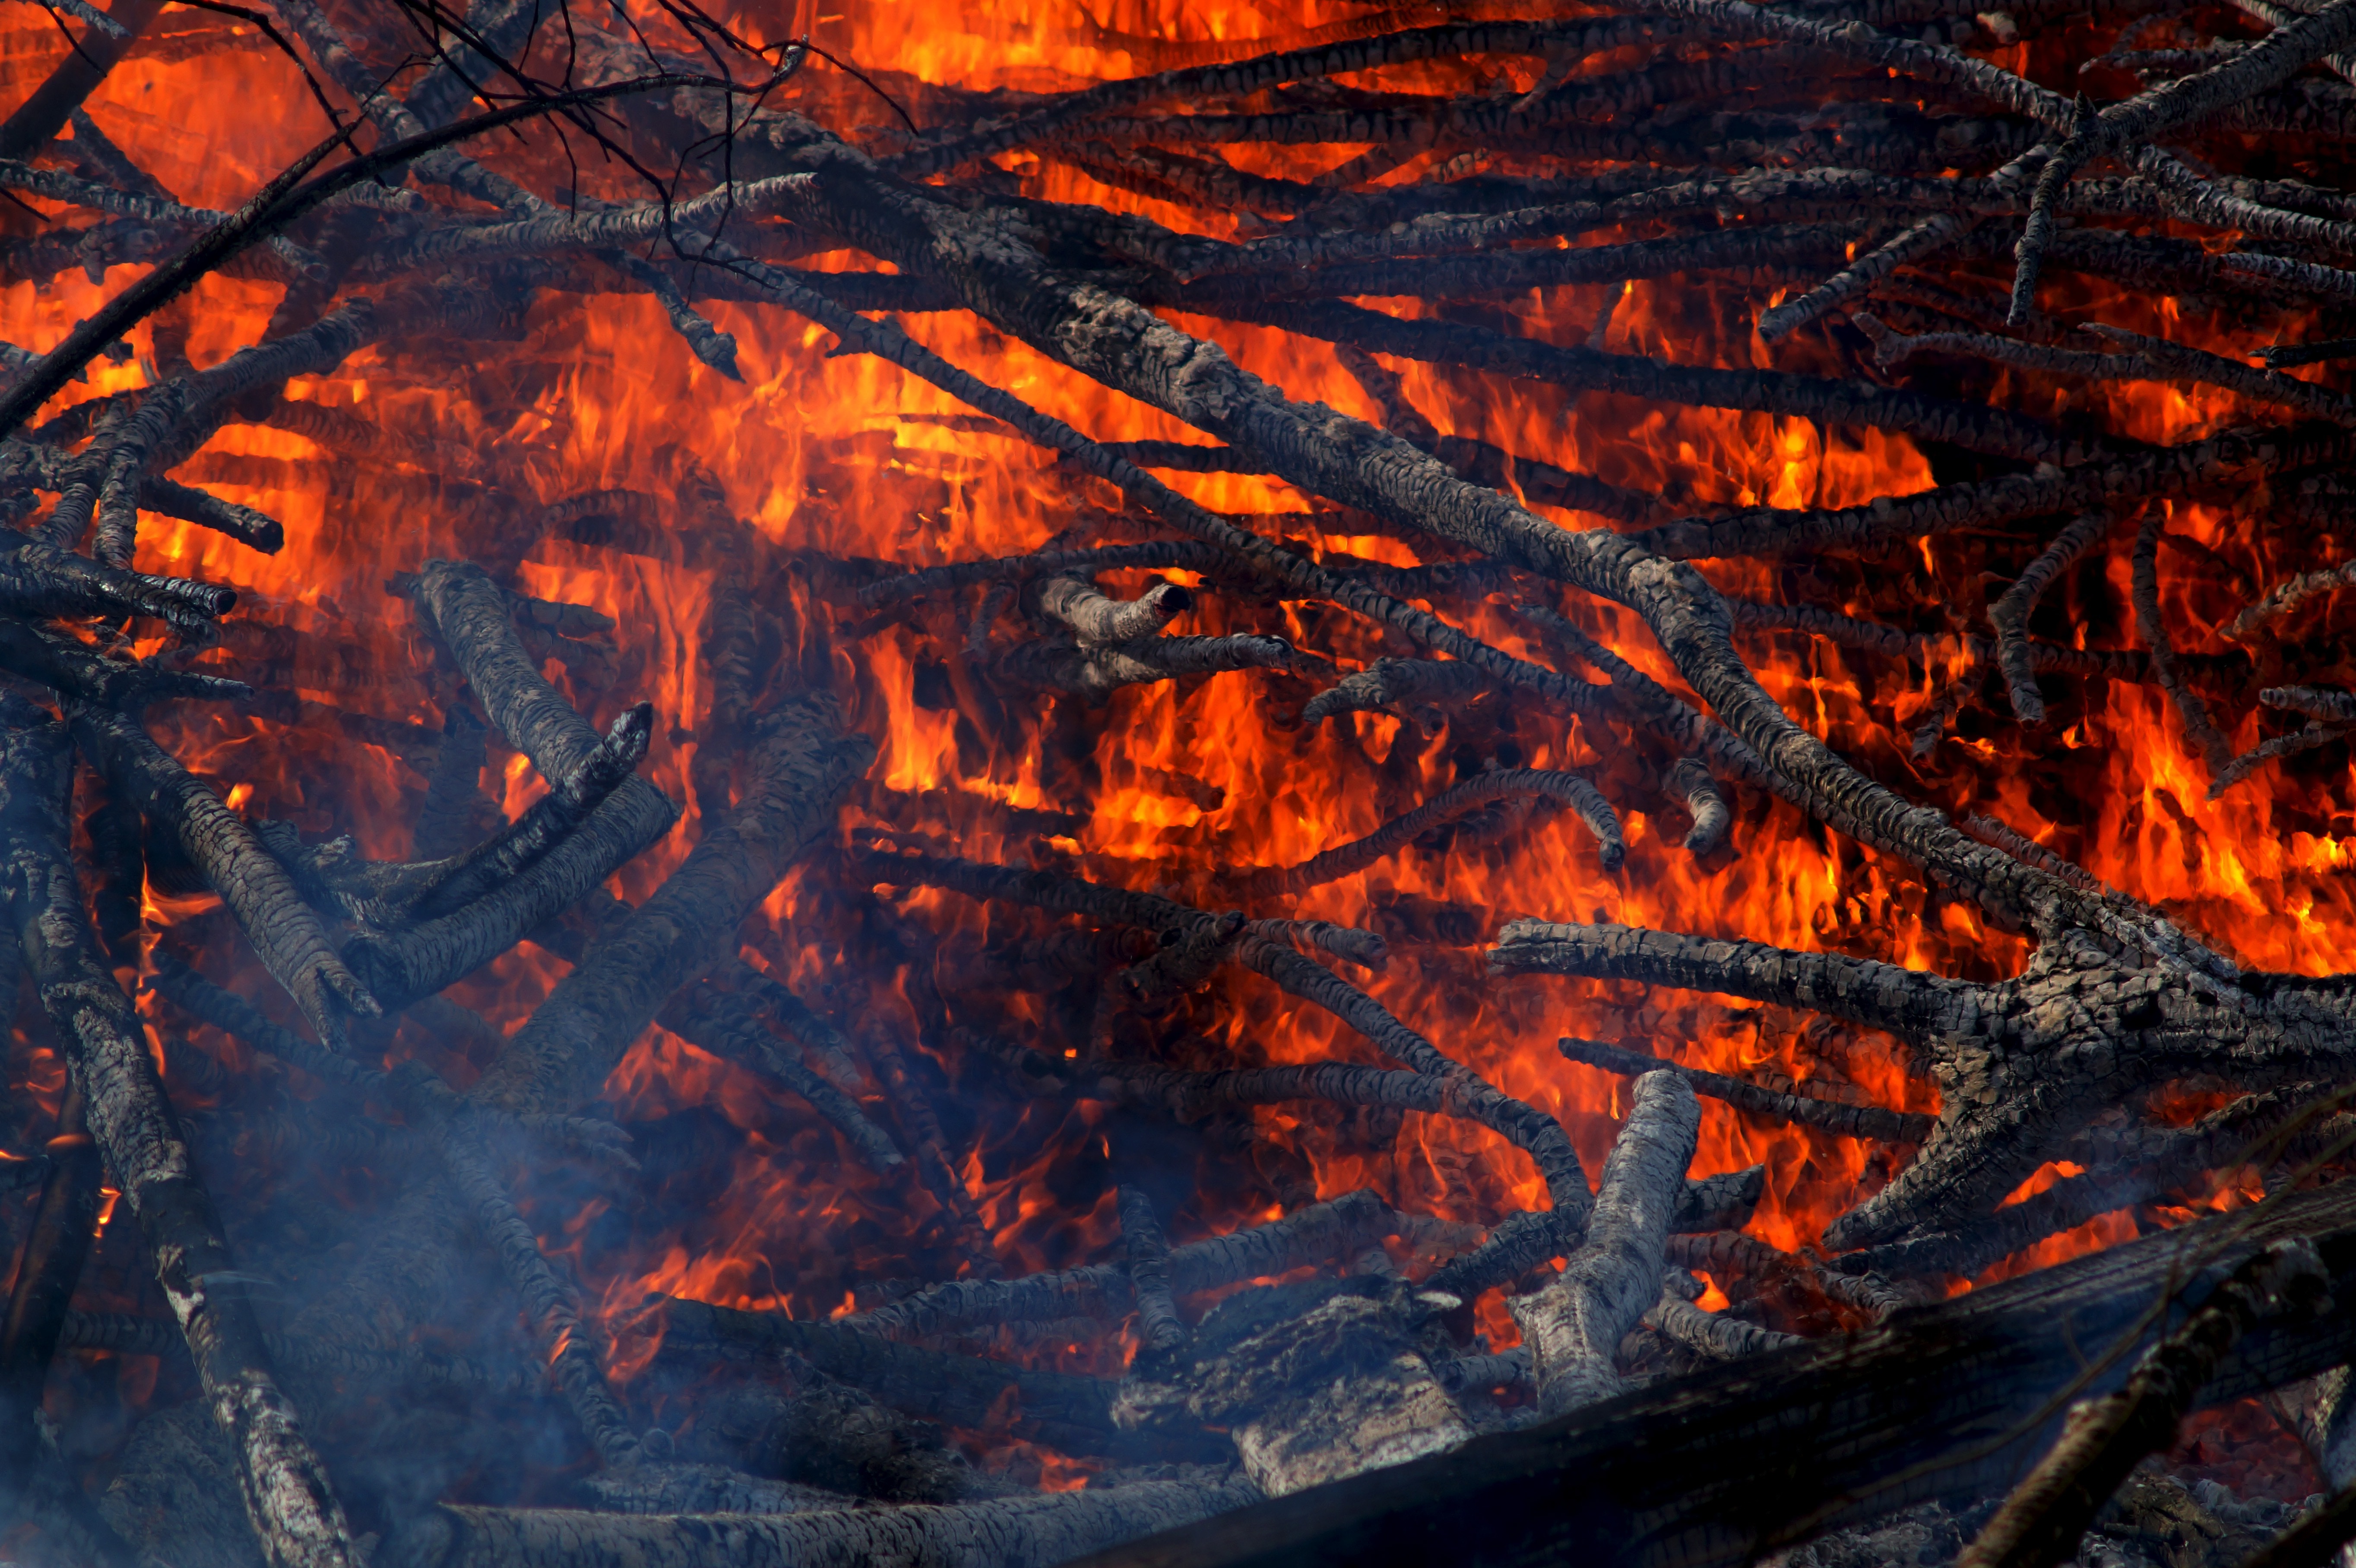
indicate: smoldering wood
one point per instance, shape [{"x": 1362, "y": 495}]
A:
[
  {"x": 1337, "y": 1227},
  {"x": 1366, "y": 949},
  {"x": 1567, "y": 789},
  {"x": 409, "y": 893},
  {"x": 2102, "y": 1439},
  {"x": 558, "y": 1134},
  {"x": 1093, "y": 672},
  {"x": 804, "y": 764},
  {"x": 675, "y": 1488},
  {"x": 403, "y": 965},
  {"x": 2009, "y": 614},
  {"x": 287, "y": 1495},
  {"x": 1966, "y": 1147},
  {"x": 468, "y": 613},
  {"x": 269, "y": 906},
  {"x": 1148, "y": 1272},
  {"x": 1287, "y": 967},
  {"x": 836, "y": 1441},
  {"x": 302, "y": 1356},
  {"x": 21, "y": 1171},
  {"x": 48, "y": 1267},
  {"x": 2280, "y": 1125},
  {"x": 1715, "y": 1334},
  {"x": 1576, "y": 1322},
  {"x": 1018, "y": 1533},
  {"x": 1073, "y": 1412},
  {"x": 2188, "y": 702},
  {"x": 43, "y": 114},
  {"x": 1943, "y": 1402},
  {"x": 964, "y": 252},
  {"x": 47, "y": 1271},
  {"x": 550, "y": 1301},
  {"x": 723, "y": 1024},
  {"x": 2315, "y": 1541},
  {"x": 1309, "y": 1397},
  {"x": 1833, "y": 1116},
  {"x": 1191, "y": 1094},
  {"x": 830, "y": 1051}
]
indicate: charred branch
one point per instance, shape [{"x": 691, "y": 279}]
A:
[
  {"x": 1565, "y": 789},
  {"x": 287, "y": 1495},
  {"x": 1576, "y": 1323},
  {"x": 2103, "y": 1438},
  {"x": 1832, "y": 1115}
]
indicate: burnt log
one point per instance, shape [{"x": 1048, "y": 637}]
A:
[
  {"x": 1576, "y": 1322},
  {"x": 1008, "y": 1532},
  {"x": 803, "y": 764},
  {"x": 287, "y": 1495},
  {"x": 1944, "y": 1402},
  {"x": 1310, "y": 1396}
]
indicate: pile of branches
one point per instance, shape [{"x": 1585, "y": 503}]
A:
[{"x": 1906, "y": 217}]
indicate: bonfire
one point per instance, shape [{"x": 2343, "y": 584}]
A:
[{"x": 1224, "y": 783}]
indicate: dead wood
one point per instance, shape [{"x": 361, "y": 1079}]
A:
[
  {"x": 2313, "y": 1541},
  {"x": 1941, "y": 1402},
  {"x": 47, "y": 1269},
  {"x": 44, "y": 114},
  {"x": 1833, "y": 1116},
  {"x": 1340, "y": 1227},
  {"x": 803, "y": 764},
  {"x": 1149, "y": 1273},
  {"x": 1310, "y": 1397},
  {"x": 1074, "y": 1413},
  {"x": 1566, "y": 789},
  {"x": 1576, "y": 1323},
  {"x": 287, "y": 1497},
  {"x": 1713, "y": 152},
  {"x": 2102, "y": 1439},
  {"x": 834, "y": 1437},
  {"x": 2009, "y": 614},
  {"x": 268, "y": 905},
  {"x": 1011, "y": 1532},
  {"x": 302, "y": 1358},
  {"x": 723, "y": 1024},
  {"x": 1988, "y": 1137},
  {"x": 46, "y": 1273},
  {"x": 1719, "y": 1335}
]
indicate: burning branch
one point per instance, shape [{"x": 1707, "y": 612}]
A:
[{"x": 923, "y": 964}]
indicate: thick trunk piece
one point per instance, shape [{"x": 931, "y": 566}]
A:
[
  {"x": 1011, "y": 1532},
  {"x": 1945, "y": 1402},
  {"x": 1368, "y": 1413}
]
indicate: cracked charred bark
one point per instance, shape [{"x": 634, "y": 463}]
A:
[
  {"x": 2020, "y": 1064},
  {"x": 288, "y": 1499}
]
